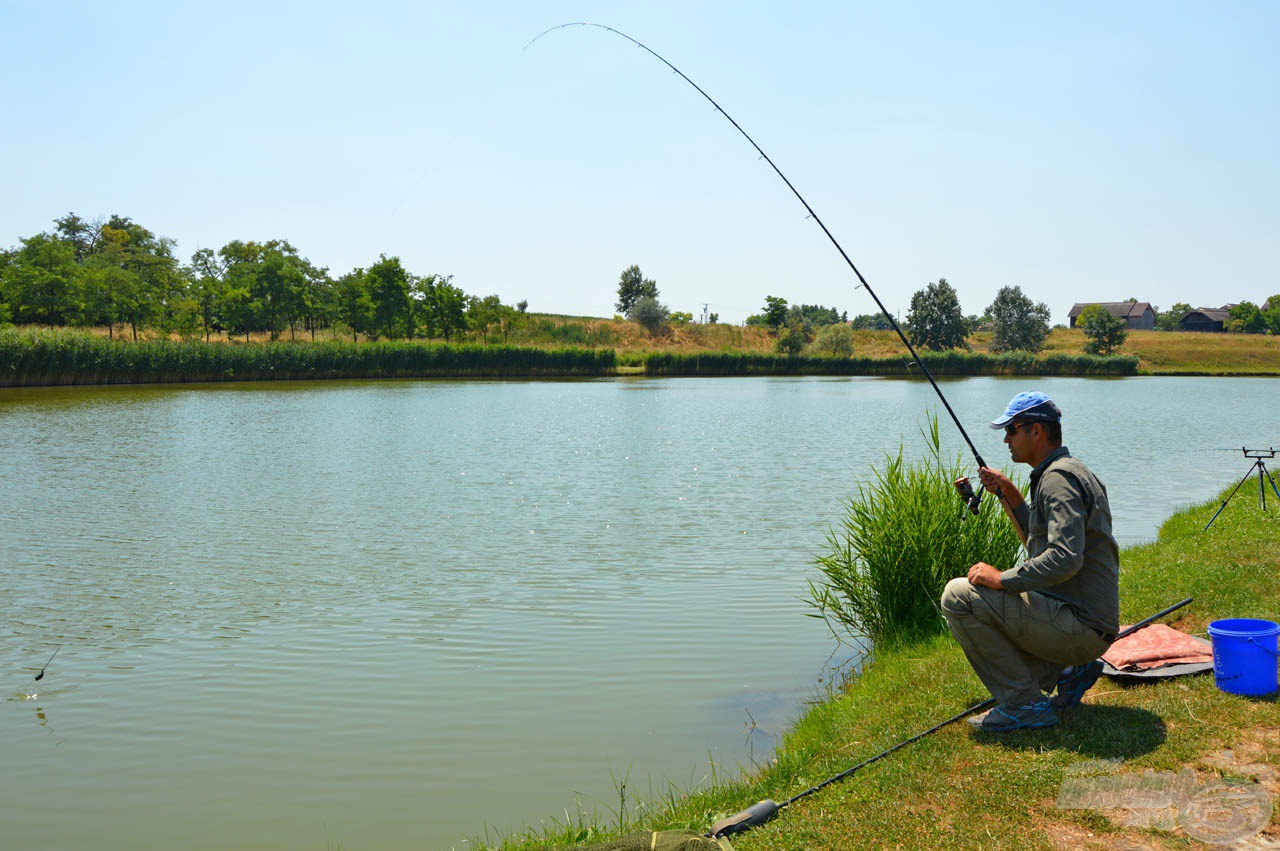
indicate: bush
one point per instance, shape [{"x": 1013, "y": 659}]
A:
[
  {"x": 905, "y": 535},
  {"x": 650, "y": 313},
  {"x": 833, "y": 341},
  {"x": 792, "y": 341}
]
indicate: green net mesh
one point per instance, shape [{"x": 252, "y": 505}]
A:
[{"x": 662, "y": 840}]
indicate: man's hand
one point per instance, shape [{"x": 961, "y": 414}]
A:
[
  {"x": 985, "y": 576},
  {"x": 995, "y": 481}
]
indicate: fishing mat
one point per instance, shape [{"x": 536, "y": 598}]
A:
[
  {"x": 1157, "y": 652},
  {"x": 662, "y": 840}
]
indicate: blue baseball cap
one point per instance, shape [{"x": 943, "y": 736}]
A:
[{"x": 1032, "y": 405}]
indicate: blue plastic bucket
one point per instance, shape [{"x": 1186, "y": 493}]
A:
[{"x": 1245, "y": 656}]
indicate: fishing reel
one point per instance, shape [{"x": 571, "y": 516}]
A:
[{"x": 972, "y": 498}]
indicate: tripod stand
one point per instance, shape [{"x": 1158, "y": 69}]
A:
[{"x": 1258, "y": 457}]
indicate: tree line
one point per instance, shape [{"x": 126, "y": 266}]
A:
[{"x": 116, "y": 274}]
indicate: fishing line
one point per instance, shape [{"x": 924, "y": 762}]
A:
[{"x": 862, "y": 281}]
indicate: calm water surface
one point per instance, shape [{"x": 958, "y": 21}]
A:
[{"x": 390, "y": 615}]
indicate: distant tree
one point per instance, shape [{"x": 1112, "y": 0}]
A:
[
  {"x": 713, "y": 318},
  {"x": 935, "y": 320},
  {"x": 832, "y": 341},
  {"x": 816, "y": 316},
  {"x": 388, "y": 284},
  {"x": 650, "y": 313},
  {"x": 485, "y": 315},
  {"x": 522, "y": 305},
  {"x": 1018, "y": 323},
  {"x": 450, "y": 308},
  {"x": 1168, "y": 320},
  {"x": 42, "y": 282},
  {"x": 1245, "y": 318},
  {"x": 1271, "y": 314},
  {"x": 679, "y": 317},
  {"x": 795, "y": 316},
  {"x": 632, "y": 287},
  {"x": 775, "y": 311},
  {"x": 354, "y": 306},
  {"x": 793, "y": 340},
  {"x": 1104, "y": 331},
  {"x": 870, "y": 322}
]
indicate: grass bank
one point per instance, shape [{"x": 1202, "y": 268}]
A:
[
  {"x": 960, "y": 790},
  {"x": 56, "y": 357},
  {"x": 938, "y": 363}
]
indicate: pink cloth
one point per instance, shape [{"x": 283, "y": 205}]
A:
[{"x": 1156, "y": 646}]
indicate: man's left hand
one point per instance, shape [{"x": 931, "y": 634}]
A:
[{"x": 985, "y": 576}]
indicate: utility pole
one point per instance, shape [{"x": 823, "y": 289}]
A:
[{"x": 706, "y": 314}]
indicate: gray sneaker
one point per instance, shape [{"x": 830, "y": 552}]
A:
[{"x": 1003, "y": 719}]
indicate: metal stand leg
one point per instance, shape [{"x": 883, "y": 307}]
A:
[{"x": 1228, "y": 499}]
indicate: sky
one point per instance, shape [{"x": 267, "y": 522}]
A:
[{"x": 1085, "y": 152}]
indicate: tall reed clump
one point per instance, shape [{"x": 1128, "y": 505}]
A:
[
  {"x": 904, "y": 535},
  {"x": 30, "y": 357}
]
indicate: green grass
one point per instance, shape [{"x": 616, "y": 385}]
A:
[{"x": 961, "y": 790}]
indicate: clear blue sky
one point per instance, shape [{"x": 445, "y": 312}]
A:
[{"x": 1084, "y": 151}]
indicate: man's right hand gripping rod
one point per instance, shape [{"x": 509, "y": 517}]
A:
[{"x": 973, "y": 500}]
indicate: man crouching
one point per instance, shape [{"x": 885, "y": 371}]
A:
[{"x": 1061, "y": 606}]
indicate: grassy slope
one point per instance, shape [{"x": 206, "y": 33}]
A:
[
  {"x": 956, "y": 789},
  {"x": 1157, "y": 351}
]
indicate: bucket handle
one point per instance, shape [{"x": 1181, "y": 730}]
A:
[{"x": 1255, "y": 643}]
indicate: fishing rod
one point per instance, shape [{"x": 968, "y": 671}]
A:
[
  {"x": 973, "y": 503},
  {"x": 763, "y": 811}
]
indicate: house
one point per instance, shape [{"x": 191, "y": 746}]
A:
[
  {"x": 1206, "y": 318},
  {"x": 1137, "y": 315}
]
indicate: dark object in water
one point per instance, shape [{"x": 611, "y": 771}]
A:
[{"x": 40, "y": 676}]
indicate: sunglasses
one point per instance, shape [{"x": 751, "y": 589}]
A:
[{"x": 1011, "y": 430}]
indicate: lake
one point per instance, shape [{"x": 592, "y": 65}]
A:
[{"x": 399, "y": 614}]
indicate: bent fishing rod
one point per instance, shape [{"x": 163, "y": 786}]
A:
[{"x": 813, "y": 215}]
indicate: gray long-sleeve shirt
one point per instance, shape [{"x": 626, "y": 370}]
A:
[{"x": 1072, "y": 553}]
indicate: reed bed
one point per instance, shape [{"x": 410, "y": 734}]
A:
[
  {"x": 938, "y": 363},
  {"x": 57, "y": 357},
  {"x": 905, "y": 533}
]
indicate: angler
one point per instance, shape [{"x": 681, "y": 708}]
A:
[{"x": 1060, "y": 607}]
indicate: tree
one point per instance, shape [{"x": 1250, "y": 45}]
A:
[
  {"x": 1168, "y": 320},
  {"x": 775, "y": 311},
  {"x": 650, "y": 313},
  {"x": 41, "y": 282},
  {"x": 1017, "y": 322},
  {"x": 793, "y": 341},
  {"x": 833, "y": 341},
  {"x": 354, "y": 305},
  {"x": 870, "y": 322},
  {"x": 450, "y": 308},
  {"x": 388, "y": 284},
  {"x": 1105, "y": 331},
  {"x": 632, "y": 287},
  {"x": 484, "y": 313},
  {"x": 935, "y": 320},
  {"x": 1245, "y": 318},
  {"x": 1271, "y": 313},
  {"x": 816, "y": 316}
]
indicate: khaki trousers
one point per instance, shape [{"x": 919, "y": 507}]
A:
[{"x": 1017, "y": 643}]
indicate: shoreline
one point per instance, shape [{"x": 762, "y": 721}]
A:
[{"x": 956, "y": 789}]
